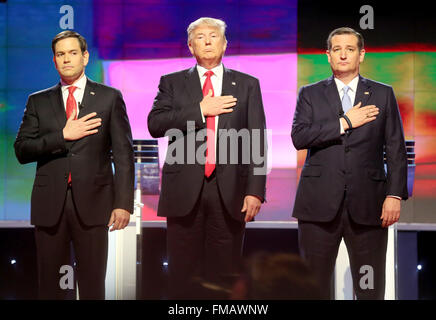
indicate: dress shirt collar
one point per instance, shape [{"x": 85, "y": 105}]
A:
[
  {"x": 353, "y": 84},
  {"x": 218, "y": 70},
  {"x": 80, "y": 84}
]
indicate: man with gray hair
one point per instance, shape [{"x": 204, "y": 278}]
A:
[{"x": 207, "y": 203}]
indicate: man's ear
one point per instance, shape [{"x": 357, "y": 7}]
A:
[
  {"x": 190, "y": 47},
  {"x": 86, "y": 57},
  {"x": 362, "y": 55},
  {"x": 329, "y": 58}
]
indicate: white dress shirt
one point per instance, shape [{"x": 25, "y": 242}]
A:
[{"x": 80, "y": 85}]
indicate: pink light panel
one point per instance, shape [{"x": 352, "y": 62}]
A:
[{"x": 138, "y": 81}]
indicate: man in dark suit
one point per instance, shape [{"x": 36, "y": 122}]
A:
[
  {"x": 208, "y": 199},
  {"x": 343, "y": 190},
  {"x": 75, "y": 195}
]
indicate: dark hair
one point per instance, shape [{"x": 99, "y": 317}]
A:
[
  {"x": 69, "y": 34},
  {"x": 345, "y": 30}
]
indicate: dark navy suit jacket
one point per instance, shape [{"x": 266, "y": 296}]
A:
[{"x": 351, "y": 162}]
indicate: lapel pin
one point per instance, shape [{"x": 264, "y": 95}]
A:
[
  {"x": 366, "y": 92},
  {"x": 93, "y": 93},
  {"x": 233, "y": 83}
]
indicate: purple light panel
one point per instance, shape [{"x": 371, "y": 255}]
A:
[{"x": 138, "y": 81}]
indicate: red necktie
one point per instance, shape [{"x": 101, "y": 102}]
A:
[
  {"x": 210, "y": 125},
  {"x": 71, "y": 106}
]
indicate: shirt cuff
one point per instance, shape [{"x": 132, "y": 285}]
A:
[
  {"x": 396, "y": 197},
  {"x": 202, "y": 116},
  {"x": 342, "y": 127}
]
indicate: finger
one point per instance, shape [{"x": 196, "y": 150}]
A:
[
  {"x": 92, "y": 126},
  {"x": 228, "y": 104},
  {"x": 111, "y": 220},
  {"x": 366, "y": 120},
  {"x": 227, "y": 99},
  {"x": 125, "y": 223},
  {"x": 88, "y": 116},
  {"x": 227, "y": 110},
  {"x": 87, "y": 133},
  {"x": 249, "y": 216},
  {"x": 244, "y": 207},
  {"x": 357, "y": 105},
  {"x": 116, "y": 224},
  {"x": 92, "y": 121},
  {"x": 251, "y": 213}
]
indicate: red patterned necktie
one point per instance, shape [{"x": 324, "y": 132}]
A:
[
  {"x": 71, "y": 106},
  {"x": 210, "y": 125}
]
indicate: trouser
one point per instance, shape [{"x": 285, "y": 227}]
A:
[
  {"x": 90, "y": 245},
  {"x": 205, "y": 245},
  {"x": 366, "y": 245}
]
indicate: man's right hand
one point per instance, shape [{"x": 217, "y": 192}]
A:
[
  {"x": 77, "y": 129},
  {"x": 214, "y": 106},
  {"x": 360, "y": 116}
]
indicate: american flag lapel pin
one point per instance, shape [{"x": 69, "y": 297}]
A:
[{"x": 366, "y": 92}]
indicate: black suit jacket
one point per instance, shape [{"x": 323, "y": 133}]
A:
[
  {"x": 177, "y": 102},
  {"x": 353, "y": 161},
  {"x": 96, "y": 190}
]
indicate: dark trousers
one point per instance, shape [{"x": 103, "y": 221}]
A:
[
  {"x": 366, "y": 245},
  {"x": 53, "y": 251},
  {"x": 205, "y": 245}
]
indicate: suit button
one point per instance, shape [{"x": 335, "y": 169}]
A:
[{"x": 347, "y": 149}]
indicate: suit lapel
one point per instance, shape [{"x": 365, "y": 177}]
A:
[
  {"x": 193, "y": 84},
  {"x": 88, "y": 98},
  {"x": 58, "y": 107},
  {"x": 229, "y": 88},
  {"x": 362, "y": 93},
  {"x": 331, "y": 92}
]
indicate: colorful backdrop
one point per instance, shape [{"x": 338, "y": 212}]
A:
[{"x": 281, "y": 42}]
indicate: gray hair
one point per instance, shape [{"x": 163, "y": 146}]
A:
[
  {"x": 345, "y": 30},
  {"x": 211, "y": 22}
]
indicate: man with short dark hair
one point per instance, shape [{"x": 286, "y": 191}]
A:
[
  {"x": 208, "y": 200},
  {"x": 70, "y": 130},
  {"x": 343, "y": 190}
]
